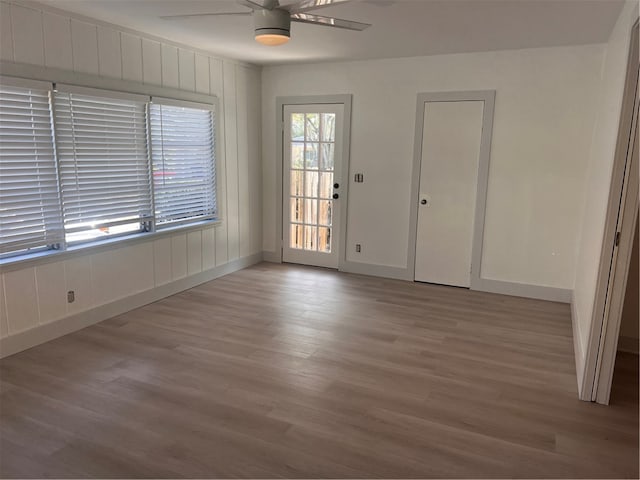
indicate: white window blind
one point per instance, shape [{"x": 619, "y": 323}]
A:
[
  {"x": 30, "y": 214},
  {"x": 183, "y": 156},
  {"x": 104, "y": 162}
]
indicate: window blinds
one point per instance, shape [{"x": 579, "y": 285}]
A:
[
  {"x": 29, "y": 199},
  {"x": 103, "y": 160},
  {"x": 78, "y": 163},
  {"x": 183, "y": 157}
]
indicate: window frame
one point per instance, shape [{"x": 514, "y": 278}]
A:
[
  {"x": 156, "y": 100},
  {"x": 88, "y": 84},
  {"x": 64, "y": 89},
  {"x": 29, "y": 84}
]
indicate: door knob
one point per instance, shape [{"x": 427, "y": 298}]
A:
[
  {"x": 336, "y": 185},
  {"x": 423, "y": 201},
  {"x": 336, "y": 196}
]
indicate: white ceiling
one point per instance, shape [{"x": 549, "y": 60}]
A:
[{"x": 401, "y": 28}]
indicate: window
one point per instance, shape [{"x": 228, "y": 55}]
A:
[
  {"x": 182, "y": 146},
  {"x": 104, "y": 164},
  {"x": 29, "y": 197},
  {"x": 80, "y": 164}
]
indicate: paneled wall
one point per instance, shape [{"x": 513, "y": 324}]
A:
[{"x": 37, "y": 294}]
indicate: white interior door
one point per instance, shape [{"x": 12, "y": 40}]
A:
[
  {"x": 448, "y": 183},
  {"x": 312, "y": 162}
]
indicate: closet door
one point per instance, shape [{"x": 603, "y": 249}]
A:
[{"x": 451, "y": 140}]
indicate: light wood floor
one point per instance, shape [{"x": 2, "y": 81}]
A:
[{"x": 282, "y": 371}]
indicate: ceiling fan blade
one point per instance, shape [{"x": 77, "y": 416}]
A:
[
  {"x": 192, "y": 15},
  {"x": 255, "y": 5},
  {"x": 329, "y": 21},
  {"x": 308, "y": 5}
]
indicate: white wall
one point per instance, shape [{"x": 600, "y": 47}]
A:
[
  {"x": 36, "y": 295},
  {"x": 595, "y": 195},
  {"x": 544, "y": 117}
]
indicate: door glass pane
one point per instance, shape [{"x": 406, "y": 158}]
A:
[
  {"x": 311, "y": 184},
  {"x": 324, "y": 213},
  {"x": 296, "y": 209},
  {"x": 297, "y": 149},
  {"x": 313, "y": 127},
  {"x": 328, "y": 127},
  {"x": 326, "y": 185},
  {"x": 296, "y": 236},
  {"x": 311, "y": 211},
  {"x": 296, "y": 183},
  {"x": 310, "y": 237},
  {"x": 327, "y": 156},
  {"x": 311, "y": 156},
  {"x": 310, "y": 200},
  {"x": 324, "y": 239},
  {"x": 297, "y": 126}
]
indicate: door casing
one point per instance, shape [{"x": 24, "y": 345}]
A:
[
  {"x": 605, "y": 324},
  {"x": 488, "y": 97},
  {"x": 344, "y": 100}
]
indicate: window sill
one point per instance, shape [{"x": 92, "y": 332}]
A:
[{"x": 24, "y": 261}]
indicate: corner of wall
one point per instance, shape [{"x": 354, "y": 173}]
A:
[
  {"x": 49, "y": 331},
  {"x": 271, "y": 257},
  {"x": 597, "y": 191},
  {"x": 578, "y": 348}
]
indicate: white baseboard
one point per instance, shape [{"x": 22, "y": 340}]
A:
[
  {"x": 44, "y": 333},
  {"x": 628, "y": 344},
  {"x": 539, "y": 292},
  {"x": 482, "y": 285},
  {"x": 374, "y": 270},
  {"x": 272, "y": 257},
  {"x": 578, "y": 350}
]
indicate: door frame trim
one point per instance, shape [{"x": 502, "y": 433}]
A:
[
  {"x": 599, "y": 357},
  {"x": 341, "y": 99},
  {"x": 488, "y": 97}
]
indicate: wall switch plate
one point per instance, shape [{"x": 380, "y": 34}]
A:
[
  {"x": 71, "y": 296},
  {"x": 358, "y": 248},
  {"x": 358, "y": 178}
]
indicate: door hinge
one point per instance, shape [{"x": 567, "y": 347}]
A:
[{"x": 617, "y": 240}]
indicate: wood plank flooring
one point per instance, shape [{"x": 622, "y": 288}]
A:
[{"x": 286, "y": 371}]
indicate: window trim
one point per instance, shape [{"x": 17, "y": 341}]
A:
[
  {"x": 34, "y": 123},
  {"x": 42, "y": 257},
  {"x": 66, "y": 134},
  {"x": 189, "y": 105},
  {"x": 173, "y": 102},
  {"x": 100, "y": 92},
  {"x": 32, "y": 76},
  {"x": 26, "y": 83}
]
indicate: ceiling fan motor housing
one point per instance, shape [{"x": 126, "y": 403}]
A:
[{"x": 272, "y": 22}]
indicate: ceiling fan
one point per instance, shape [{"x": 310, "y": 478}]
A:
[{"x": 272, "y": 21}]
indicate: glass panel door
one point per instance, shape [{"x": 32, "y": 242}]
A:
[{"x": 312, "y": 146}]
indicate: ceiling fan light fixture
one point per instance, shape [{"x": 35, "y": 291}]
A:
[
  {"x": 272, "y": 21},
  {"x": 272, "y": 39},
  {"x": 272, "y": 27}
]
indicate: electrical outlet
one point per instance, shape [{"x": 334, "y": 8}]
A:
[
  {"x": 71, "y": 296},
  {"x": 358, "y": 248}
]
